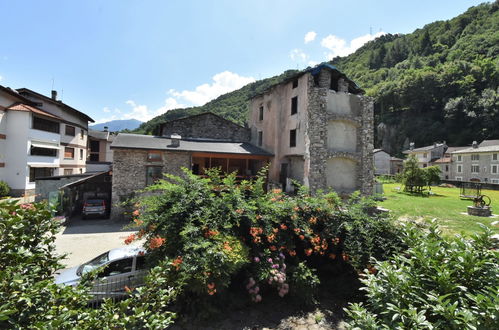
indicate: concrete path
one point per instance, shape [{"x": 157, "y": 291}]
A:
[{"x": 83, "y": 240}]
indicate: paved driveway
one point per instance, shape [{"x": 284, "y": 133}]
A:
[{"x": 82, "y": 240}]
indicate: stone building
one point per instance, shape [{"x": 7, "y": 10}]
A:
[
  {"x": 319, "y": 126},
  {"x": 197, "y": 143},
  {"x": 381, "y": 162}
]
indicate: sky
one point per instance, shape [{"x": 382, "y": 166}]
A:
[{"x": 123, "y": 59}]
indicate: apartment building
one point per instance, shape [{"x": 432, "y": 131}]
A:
[
  {"x": 427, "y": 155},
  {"x": 479, "y": 163},
  {"x": 39, "y": 137},
  {"x": 319, "y": 127}
]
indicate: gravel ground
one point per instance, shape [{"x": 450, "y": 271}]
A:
[{"x": 82, "y": 240}]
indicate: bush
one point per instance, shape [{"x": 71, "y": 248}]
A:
[
  {"x": 446, "y": 283},
  {"x": 4, "y": 189},
  {"x": 216, "y": 233},
  {"x": 30, "y": 298}
]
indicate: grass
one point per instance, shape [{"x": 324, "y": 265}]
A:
[{"x": 445, "y": 205}]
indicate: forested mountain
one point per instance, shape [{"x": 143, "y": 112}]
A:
[
  {"x": 117, "y": 125},
  {"x": 439, "y": 83}
]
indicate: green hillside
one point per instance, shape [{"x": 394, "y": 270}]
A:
[{"x": 437, "y": 83}]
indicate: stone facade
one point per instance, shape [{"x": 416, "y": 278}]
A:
[
  {"x": 131, "y": 165},
  {"x": 206, "y": 126},
  {"x": 334, "y": 131}
]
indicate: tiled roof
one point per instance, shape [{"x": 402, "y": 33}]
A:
[
  {"x": 453, "y": 149},
  {"x": 443, "y": 160},
  {"x": 378, "y": 150},
  {"x": 29, "y": 108},
  {"x": 98, "y": 134},
  {"x": 488, "y": 143},
  {"x": 137, "y": 141},
  {"x": 492, "y": 148}
]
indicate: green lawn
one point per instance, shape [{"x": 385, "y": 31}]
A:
[{"x": 445, "y": 206}]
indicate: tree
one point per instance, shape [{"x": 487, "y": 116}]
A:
[{"x": 415, "y": 178}]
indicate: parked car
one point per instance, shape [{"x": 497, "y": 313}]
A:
[
  {"x": 123, "y": 269},
  {"x": 94, "y": 207}
]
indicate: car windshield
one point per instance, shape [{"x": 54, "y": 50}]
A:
[
  {"x": 94, "y": 263},
  {"x": 94, "y": 202}
]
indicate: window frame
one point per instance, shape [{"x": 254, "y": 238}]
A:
[
  {"x": 53, "y": 152},
  {"x": 151, "y": 179},
  {"x": 71, "y": 132},
  {"x": 459, "y": 169},
  {"x": 294, "y": 84},
  {"x": 292, "y": 138},
  {"x": 260, "y": 138},
  {"x": 67, "y": 150},
  {"x": 475, "y": 167},
  {"x": 294, "y": 105},
  {"x": 475, "y": 157},
  {"x": 45, "y": 125},
  {"x": 33, "y": 176},
  {"x": 150, "y": 157},
  {"x": 260, "y": 113},
  {"x": 496, "y": 167}
]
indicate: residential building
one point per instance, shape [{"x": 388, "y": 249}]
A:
[
  {"x": 427, "y": 155},
  {"x": 196, "y": 143},
  {"x": 445, "y": 163},
  {"x": 396, "y": 165},
  {"x": 100, "y": 155},
  {"x": 32, "y": 140},
  {"x": 73, "y": 131},
  {"x": 381, "y": 162},
  {"x": 478, "y": 163},
  {"x": 319, "y": 127}
]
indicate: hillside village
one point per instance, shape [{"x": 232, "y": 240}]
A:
[{"x": 290, "y": 193}]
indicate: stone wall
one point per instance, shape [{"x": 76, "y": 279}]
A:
[
  {"x": 129, "y": 173},
  {"x": 358, "y": 112},
  {"x": 208, "y": 126}
]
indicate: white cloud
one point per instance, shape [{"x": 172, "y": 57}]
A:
[
  {"x": 223, "y": 82},
  {"x": 339, "y": 47},
  {"x": 310, "y": 36},
  {"x": 1, "y": 78},
  {"x": 298, "y": 55}
]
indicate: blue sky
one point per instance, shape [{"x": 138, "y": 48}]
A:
[{"x": 121, "y": 59}]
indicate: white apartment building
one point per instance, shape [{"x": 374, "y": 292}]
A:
[
  {"x": 480, "y": 163},
  {"x": 39, "y": 137}
]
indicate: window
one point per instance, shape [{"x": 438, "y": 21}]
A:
[
  {"x": 140, "y": 263},
  {"x": 425, "y": 155},
  {"x": 494, "y": 156},
  {"x": 260, "y": 138},
  {"x": 294, "y": 105},
  {"x": 70, "y": 130},
  {"x": 82, "y": 134},
  {"x": 117, "y": 267},
  {"x": 45, "y": 125},
  {"x": 459, "y": 168},
  {"x": 153, "y": 173},
  {"x": 494, "y": 180},
  {"x": 38, "y": 151},
  {"x": 475, "y": 157},
  {"x": 446, "y": 168},
  {"x": 39, "y": 172},
  {"x": 81, "y": 154},
  {"x": 459, "y": 158},
  {"x": 69, "y": 153},
  {"x": 260, "y": 116},
  {"x": 292, "y": 138},
  {"x": 494, "y": 169},
  {"x": 68, "y": 171},
  {"x": 154, "y": 156},
  {"x": 295, "y": 83},
  {"x": 475, "y": 169},
  {"x": 459, "y": 178}
]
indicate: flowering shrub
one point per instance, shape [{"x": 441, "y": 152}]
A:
[
  {"x": 31, "y": 299},
  {"x": 443, "y": 283},
  {"x": 220, "y": 231},
  {"x": 4, "y": 188}
]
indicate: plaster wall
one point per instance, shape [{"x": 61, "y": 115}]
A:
[
  {"x": 381, "y": 163},
  {"x": 342, "y": 174},
  {"x": 341, "y": 136}
]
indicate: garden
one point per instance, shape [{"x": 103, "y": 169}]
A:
[{"x": 214, "y": 243}]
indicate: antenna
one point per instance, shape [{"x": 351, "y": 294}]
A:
[
  {"x": 53, "y": 83},
  {"x": 62, "y": 94}
]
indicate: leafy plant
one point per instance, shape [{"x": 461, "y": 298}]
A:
[
  {"x": 448, "y": 283},
  {"x": 4, "y": 189}
]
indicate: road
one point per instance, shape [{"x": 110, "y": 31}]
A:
[{"x": 82, "y": 240}]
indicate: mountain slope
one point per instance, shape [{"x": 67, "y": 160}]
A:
[
  {"x": 438, "y": 83},
  {"x": 117, "y": 125}
]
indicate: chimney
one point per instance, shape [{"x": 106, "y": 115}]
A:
[
  {"x": 175, "y": 139},
  {"x": 474, "y": 145},
  {"x": 434, "y": 144},
  {"x": 411, "y": 146},
  {"x": 54, "y": 95},
  {"x": 106, "y": 128}
]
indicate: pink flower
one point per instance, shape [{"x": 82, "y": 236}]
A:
[
  {"x": 256, "y": 259},
  {"x": 269, "y": 260},
  {"x": 258, "y": 298}
]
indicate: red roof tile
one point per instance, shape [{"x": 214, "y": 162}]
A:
[{"x": 29, "y": 108}]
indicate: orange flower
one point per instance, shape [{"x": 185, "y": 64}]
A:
[
  {"x": 136, "y": 213},
  {"x": 302, "y": 237},
  {"x": 372, "y": 270},
  {"x": 138, "y": 222},
  {"x": 308, "y": 252},
  {"x": 130, "y": 239},
  {"x": 312, "y": 220},
  {"x": 177, "y": 262},
  {"x": 272, "y": 248},
  {"x": 257, "y": 240},
  {"x": 210, "y": 233},
  {"x": 277, "y": 191},
  {"x": 227, "y": 246},
  {"x": 141, "y": 233},
  {"x": 345, "y": 256},
  {"x": 273, "y": 199},
  {"x": 296, "y": 208},
  {"x": 239, "y": 211},
  {"x": 283, "y": 247},
  {"x": 275, "y": 230},
  {"x": 156, "y": 242},
  {"x": 127, "y": 289},
  {"x": 284, "y": 227},
  {"x": 271, "y": 238},
  {"x": 211, "y": 288},
  {"x": 258, "y": 217},
  {"x": 292, "y": 253},
  {"x": 297, "y": 230}
]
